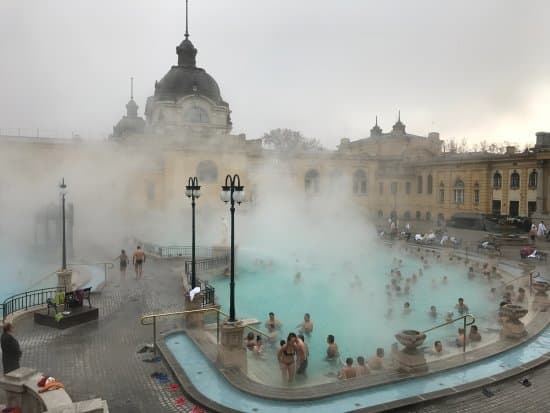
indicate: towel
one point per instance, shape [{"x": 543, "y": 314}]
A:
[{"x": 194, "y": 292}]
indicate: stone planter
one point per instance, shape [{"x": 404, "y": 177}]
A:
[
  {"x": 410, "y": 359},
  {"x": 513, "y": 328},
  {"x": 541, "y": 301}
]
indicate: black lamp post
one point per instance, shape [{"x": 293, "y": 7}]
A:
[
  {"x": 63, "y": 190},
  {"x": 232, "y": 192},
  {"x": 193, "y": 190}
]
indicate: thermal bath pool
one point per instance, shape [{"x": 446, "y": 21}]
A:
[{"x": 355, "y": 310}]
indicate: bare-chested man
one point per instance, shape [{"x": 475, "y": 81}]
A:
[
  {"x": 138, "y": 260},
  {"x": 307, "y": 325},
  {"x": 348, "y": 371}
]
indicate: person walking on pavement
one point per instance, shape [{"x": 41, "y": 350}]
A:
[
  {"x": 124, "y": 261},
  {"x": 138, "y": 260},
  {"x": 11, "y": 352},
  {"x": 541, "y": 232}
]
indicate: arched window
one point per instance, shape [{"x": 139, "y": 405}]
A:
[
  {"x": 207, "y": 172},
  {"x": 497, "y": 180},
  {"x": 311, "y": 181},
  {"x": 360, "y": 182},
  {"x": 441, "y": 192},
  {"x": 419, "y": 184},
  {"x": 476, "y": 194},
  {"x": 335, "y": 178},
  {"x": 440, "y": 219},
  {"x": 514, "y": 180},
  {"x": 533, "y": 179},
  {"x": 430, "y": 184},
  {"x": 418, "y": 215},
  {"x": 196, "y": 114},
  {"x": 458, "y": 192},
  {"x": 428, "y": 216}
]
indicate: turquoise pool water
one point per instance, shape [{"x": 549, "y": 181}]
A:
[
  {"x": 354, "y": 312},
  {"x": 213, "y": 385}
]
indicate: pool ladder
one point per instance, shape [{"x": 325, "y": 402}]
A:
[{"x": 466, "y": 323}]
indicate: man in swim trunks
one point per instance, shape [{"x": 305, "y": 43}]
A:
[
  {"x": 138, "y": 260},
  {"x": 302, "y": 354}
]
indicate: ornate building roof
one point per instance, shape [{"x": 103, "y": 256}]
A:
[{"x": 187, "y": 79}]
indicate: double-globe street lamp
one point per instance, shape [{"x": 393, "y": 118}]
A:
[
  {"x": 232, "y": 192},
  {"x": 193, "y": 191},
  {"x": 63, "y": 192}
]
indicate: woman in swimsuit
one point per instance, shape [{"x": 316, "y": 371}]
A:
[{"x": 287, "y": 358}]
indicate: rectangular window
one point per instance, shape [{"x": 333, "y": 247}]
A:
[
  {"x": 381, "y": 188},
  {"x": 408, "y": 188},
  {"x": 531, "y": 207},
  {"x": 441, "y": 196},
  {"x": 476, "y": 196},
  {"x": 514, "y": 209},
  {"x": 459, "y": 196},
  {"x": 496, "y": 207},
  {"x": 394, "y": 188}
]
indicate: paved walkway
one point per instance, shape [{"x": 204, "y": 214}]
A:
[
  {"x": 509, "y": 396},
  {"x": 99, "y": 359}
]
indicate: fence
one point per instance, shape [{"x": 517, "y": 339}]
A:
[
  {"x": 206, "y": 264},
  {"x": 26, "y": 300},
  {"x": 172, "y": 251}
]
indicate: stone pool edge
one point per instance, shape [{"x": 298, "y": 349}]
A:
[{"x": 198, "y": 396}]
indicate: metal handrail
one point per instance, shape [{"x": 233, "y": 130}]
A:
[
  {"x": 463, "y": 317},
  {"x": 27, "y": 299},
  {"x": 146, "y": 317},
  {"x": 106, "y": 267}
]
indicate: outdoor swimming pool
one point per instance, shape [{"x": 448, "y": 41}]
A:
[
  {"x": 210, "y": 382},
  {"x": 355, "y": 312}
]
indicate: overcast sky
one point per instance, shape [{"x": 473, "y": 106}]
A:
[{"x": 477, "y": 69}]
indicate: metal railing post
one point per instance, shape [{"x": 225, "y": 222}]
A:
[
  {"x": 464, "y": 341},
  {"x": 218, "y": 327},
  {"x": 155, "y": 336},
  {"x": 105, "y": 271}
]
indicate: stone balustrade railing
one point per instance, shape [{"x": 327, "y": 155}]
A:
[{"x": 22, "y": 391}]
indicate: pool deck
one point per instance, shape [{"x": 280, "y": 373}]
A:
[{"x": 99, "y": 358}]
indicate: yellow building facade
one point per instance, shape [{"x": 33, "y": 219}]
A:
[{"x": 187, "y": 132}]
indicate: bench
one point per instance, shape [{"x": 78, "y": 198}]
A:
[{"x": 70, "y": 299}]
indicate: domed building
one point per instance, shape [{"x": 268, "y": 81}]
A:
[
  {"x": 131, "y": 124},
  {"x": 187, "y": 99}
]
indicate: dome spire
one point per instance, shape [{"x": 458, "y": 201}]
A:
[
  {"x": 186, "y": 19},
  {"x": 131, "y": 106},
  {"x": 186, "y": 51},
  {"x": 376, "y": 130}
]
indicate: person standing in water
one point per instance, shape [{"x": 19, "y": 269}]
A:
[
  {"x": 124, "y": 261},
  {"x": 138, "y": 260},
  {"x": 287, "y": 358}
]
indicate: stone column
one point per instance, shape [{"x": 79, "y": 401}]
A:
[
  {"x": 231, "y": 351},
  {"x": 540, "y": 188},
  {"x": 194, "y": 320},
  {"x": 65, "y": 279}
]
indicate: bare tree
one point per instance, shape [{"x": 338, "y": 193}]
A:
[{"x": 287, "y": 140}]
